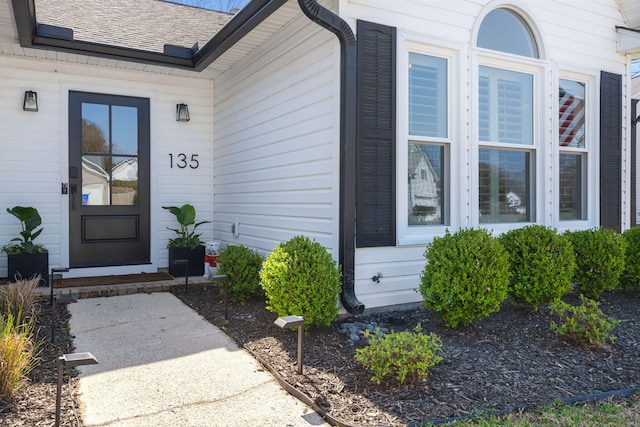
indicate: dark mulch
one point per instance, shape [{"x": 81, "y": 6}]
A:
[
  {"x": 35, "y": 405},
  {"x": 509, "y": 359}
]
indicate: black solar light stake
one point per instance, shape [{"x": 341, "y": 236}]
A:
[
  {"x": 70, "y": 361},
  {"x": 293, "y": 322}
]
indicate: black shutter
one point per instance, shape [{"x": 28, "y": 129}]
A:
[
  {"x": 376, "y": 136},
  {"x": 610, "y": 151}
]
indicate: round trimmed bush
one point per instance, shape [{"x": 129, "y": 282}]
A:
[
  {"x": 242, "y": 266},
  {"x": 600, "y": 260},
  {"x": 301, "y": 278},
  {"x": 542, "y": 264},
  {"x": 631, "y": 276},
  {"x": 466, "y": 276}
]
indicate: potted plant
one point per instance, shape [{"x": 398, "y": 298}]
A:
[
  {"x": 26, "y": 259},
  {"x": 187, "y": 244}
]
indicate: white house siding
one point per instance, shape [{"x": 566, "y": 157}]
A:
[
  {"x": 277, "y": 141},
  {"x": 34, "y": 148},
  {"x": 575, "y": 38}
]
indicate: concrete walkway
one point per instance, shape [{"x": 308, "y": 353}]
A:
[{"x": 162, "y": 364}]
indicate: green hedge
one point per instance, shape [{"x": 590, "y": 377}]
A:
[
  {"x": 301, "y": 278},
  {"x": 466, "y": 276}
]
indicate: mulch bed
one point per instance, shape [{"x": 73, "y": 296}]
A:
[
  {"x": 510, "y": 359},
  {"x": 35, "y": 405}
]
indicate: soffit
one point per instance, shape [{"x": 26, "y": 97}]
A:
[
  {"x": 631, "y": 12},
  {"x": 271, "y": 24}
]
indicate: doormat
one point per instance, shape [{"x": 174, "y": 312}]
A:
[{"x": 111, "y": 280}]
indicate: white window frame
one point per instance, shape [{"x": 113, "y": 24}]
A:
[
  {"x": 420, "y": 234},
  {"x": 591, "y": 169},
  {"x": 538, "y": 69}
]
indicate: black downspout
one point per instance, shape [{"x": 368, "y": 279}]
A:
[{"x": 348, "y": 79}]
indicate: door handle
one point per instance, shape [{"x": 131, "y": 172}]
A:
[{"x": 74, "y": 191}]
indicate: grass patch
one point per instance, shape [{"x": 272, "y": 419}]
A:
[{"x": 613, "y": 413}]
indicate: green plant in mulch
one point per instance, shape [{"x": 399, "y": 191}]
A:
[
  {"x": 401, "y": 355},
  {"x": 242, "y": 266},
  {"x": 600, "y": 260},
  {"x": 466, "y": 276},
  {"x": 586, "y": 324},
  {"x": 18, "y": 352},
  {"x": 542, "y": 264},
  {"x": 630, "y": 279},
  {"x": 301, "y": 278},
  {"x": 18, "y": 298}
]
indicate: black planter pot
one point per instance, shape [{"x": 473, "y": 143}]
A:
[
  {"x": 25, "y": 266},
  {"x": 194, "y": 256}
]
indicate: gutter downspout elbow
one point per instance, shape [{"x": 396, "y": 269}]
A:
[{"x": 348, "y": 91}]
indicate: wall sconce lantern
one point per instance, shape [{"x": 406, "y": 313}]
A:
[
  {"x": 182, "y": 112},
  {"x": 30, "y": 101}
]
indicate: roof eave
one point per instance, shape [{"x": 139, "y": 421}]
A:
[{"x": 239, "y": 26}]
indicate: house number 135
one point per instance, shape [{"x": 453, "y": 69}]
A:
[{"x": 182, "y": 161}]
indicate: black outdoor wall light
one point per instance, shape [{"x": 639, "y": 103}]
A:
[
  {"x": 30, "y": 101},
  {"x": 182, "y": 112}
]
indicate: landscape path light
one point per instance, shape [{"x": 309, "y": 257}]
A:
[
  {"x": 67, "y": 361},
  {"x": 293, "y": 322}
]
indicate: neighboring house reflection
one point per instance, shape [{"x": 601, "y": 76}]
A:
[
  {"x": 96, "y": 188},
  {"x": 424, "y": 188}
]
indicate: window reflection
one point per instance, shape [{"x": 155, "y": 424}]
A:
[
  {"x": 109, "y": 160},
  {"x": 425, "y": 184}
]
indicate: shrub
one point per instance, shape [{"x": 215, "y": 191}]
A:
[
  {"x": 586, "y": 324},
  {"x": 631, "y": 276},
  {"x": 542, "y": 264},
  {"x": 17, "y": 298},
  {"x": 599, "y": 260},
  {"x": 242, "y": 266},
  {"x": 301, "y": 278},
  {"x": 401, "y": 355},
  {"x": 17, "y": 353},
  {"x": 466, "y": 276}
]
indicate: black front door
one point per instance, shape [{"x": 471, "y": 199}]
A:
[{"x": 108, "y": 180}]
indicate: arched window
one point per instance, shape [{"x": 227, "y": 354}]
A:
[
  {"x": 506, "y": 127},
  {"x": 505, "y": 31}
]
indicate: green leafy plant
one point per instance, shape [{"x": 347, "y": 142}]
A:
[
  {"x": 630, "y": 279},
  {"x": 586, "y": 324},
  {"x": 18, "y": 353},
  {"x": 301, "y": 278},
  {"x": 466, "y": 276},
  {"x": 30, "y": 220},
  {"x": 542, "y": 264},
  {"x": 600, "y": 259},
  {"x": 186, "y": 217},
  {"x": 242, "y": 266},
  {"x": 402, "y": 355},
  {"x": 18, "y": 298}
]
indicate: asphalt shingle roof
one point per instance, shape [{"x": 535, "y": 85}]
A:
[{"x": 136, "y": 24}]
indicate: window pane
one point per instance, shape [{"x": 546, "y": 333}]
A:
[
  {"x": 572, "y": 199},
  {"x": 504, "y": 187},
  {"x": 95, "y": 180},
  {"x": 505, "y": 106},
  {"x": 426, "y": 176},
  {"x": 124, "y": 190},
  {"x": 427, "y": 95},
  {"x": 571, "y": 113},
  {"x": 125, "y": 130},
  {"x": 505, "y": 31},
  {"x": 95, "y": 128}
]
